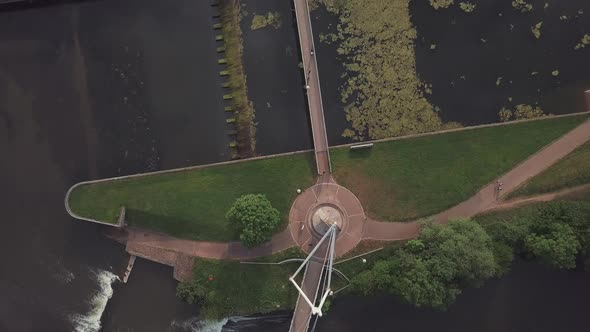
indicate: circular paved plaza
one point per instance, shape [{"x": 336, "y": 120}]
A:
[{"x": 321, "y": 206}]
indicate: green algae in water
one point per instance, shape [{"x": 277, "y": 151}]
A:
[{"x": 383, "y": 95}]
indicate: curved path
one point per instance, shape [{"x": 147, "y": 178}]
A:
[{"x": 487, "y": 198}]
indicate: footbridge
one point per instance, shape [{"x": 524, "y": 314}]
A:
[
  {"x": 312, "y": 86},
  {"x": 326, "y": 217}
]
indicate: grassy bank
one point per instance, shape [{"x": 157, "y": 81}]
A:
[
  {"x": 243, "y": 108},
  {"x": 408, "y": 179},
  {"x": 573, "y": 170},
  {"x": 193, "y": 204},
  {"x": 243, "y": 289}
]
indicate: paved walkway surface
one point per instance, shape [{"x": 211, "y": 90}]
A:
[
  {"x": 487, "y": 198},
  {"x": 326, "y": 188},
  {"x": 214, "y": 250},
  {"x": 312, "y": 82},
  {"x": 548, "y": 197},
  {"x": 313, "y": 274},
  {"x": 327, "y": 192}
]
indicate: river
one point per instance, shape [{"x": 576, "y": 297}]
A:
[{"x": 90, "y": 90}]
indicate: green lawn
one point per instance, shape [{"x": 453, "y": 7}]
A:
[
  {"x": 192, "y": 204},
  {"x": 243, "y": 289},
  {"x": 413, "y": 178},
  {"x": 571, "y": 171}
]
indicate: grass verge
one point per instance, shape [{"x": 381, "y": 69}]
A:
[
  {"x": 412, "y": 178},
  {"x": 192, "y": 204},
  {"x": 244, "y": 289},
  {"x": 573, "y": 170},
  {"x": 244, "y": 109}
]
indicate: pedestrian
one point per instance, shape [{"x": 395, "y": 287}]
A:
[{"x": 312, "y": 51}]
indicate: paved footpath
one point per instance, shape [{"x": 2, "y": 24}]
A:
[
  {"x": 214, "y": 250},
  {"x": 487, "y": 197}
]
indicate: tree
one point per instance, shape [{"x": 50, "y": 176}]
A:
[
  {"x": 558, "y": 247},
  {"x": 255, "y": 219},
  {"x": 432, "y": 270}
]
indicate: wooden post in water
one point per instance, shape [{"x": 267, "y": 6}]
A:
[{"x": 129, "y": 268}]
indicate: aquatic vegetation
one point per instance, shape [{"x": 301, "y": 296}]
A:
[
  {"x": 441, "y": 3},
  {"x": 262, "y": 21},
  {"x": 583, "y": 42},
  {"x": 505, "y": 114},
  {"x": 521, "y": 112},
  {"x": 383, "y": 95},
  {"x": 244, "y": 109},
  {"x": 467, "y": 7},
  {"x": 536, "y": 30},
  {"x": 524, "y": 111},
  {"x": 522, "y": 6}
]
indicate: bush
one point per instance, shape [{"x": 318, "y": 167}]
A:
[
  {"x": 558, "y": 247},
  {"x": 555, "y": 232},
  {"x": 192, "y": 292},
  {"x": 255, "y": 218}
]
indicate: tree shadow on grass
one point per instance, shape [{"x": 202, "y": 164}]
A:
[{"x": 180, "y": 227}]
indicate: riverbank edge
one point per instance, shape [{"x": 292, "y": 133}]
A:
[{"x": 190, "y": 168}]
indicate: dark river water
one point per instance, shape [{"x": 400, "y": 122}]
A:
[
  {"x": 275, "y": 81},
  {"x": 97, "y": 89},
  {"x": 475, "y": 50}
]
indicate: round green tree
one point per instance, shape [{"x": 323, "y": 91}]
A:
[{"x": 255, "y": 219}]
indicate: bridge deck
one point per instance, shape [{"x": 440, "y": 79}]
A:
[
  {"x": 314, "y": 94},
  {"x": 313, "y": 272},
  {"x": 310, "y": 285}
]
